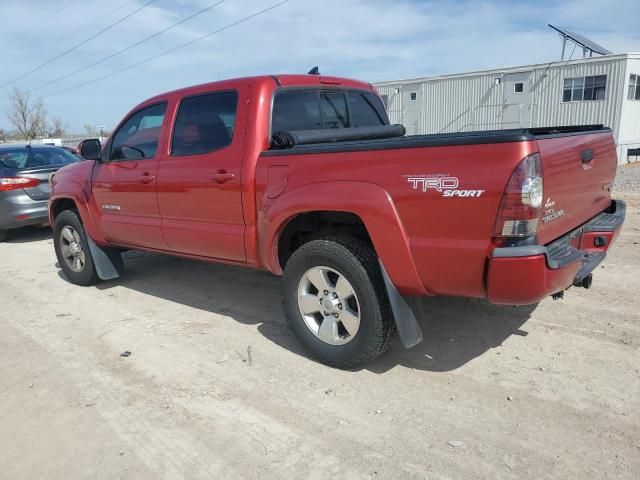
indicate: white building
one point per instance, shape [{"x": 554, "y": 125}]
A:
[{"x": 602, "y": 89}]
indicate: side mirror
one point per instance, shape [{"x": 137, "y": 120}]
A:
[{"x": 91, "y": 149}]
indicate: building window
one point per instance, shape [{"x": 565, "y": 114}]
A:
[
  {"x": 634, "y": 87},
  {"x": 584, "y": 88},
  {"x": 518, "y": 87},
  {"x": 413, "y": 96}
]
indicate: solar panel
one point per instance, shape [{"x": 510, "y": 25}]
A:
[{"x": 584, "y": 42}]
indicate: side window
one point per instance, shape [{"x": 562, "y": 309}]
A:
[
  {"x": 204, "y": 123},
  {"x": 138, "y": 137},
  {"x": 366, "y": 110},
  {"x": 296, "y": 110}
]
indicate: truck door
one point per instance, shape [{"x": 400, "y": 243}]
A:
[
  {"x": 199, "y": 178},
  {"x": 124, "y": 185}
]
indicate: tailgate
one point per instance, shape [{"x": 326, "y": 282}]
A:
[{"x": 578, "y": 171}]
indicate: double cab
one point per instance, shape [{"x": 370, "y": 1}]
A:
[{"x": 302, "y": 176}]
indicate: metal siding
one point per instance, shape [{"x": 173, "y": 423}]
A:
[
  {"x": 629, "y": 135},
  {"x": 468, "y": 102},
  {"x": 394, "y": 102},
  {"x": 550, "y": 110}
]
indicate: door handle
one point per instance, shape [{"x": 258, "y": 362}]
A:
[
  {"x": 146, "y": 178},
  {"x": 222, "y": 176}
]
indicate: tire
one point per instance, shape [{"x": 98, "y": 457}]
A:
[
  {"x": 3, "y": 236},
  {"x": 334, "y": 257},
  {"x": 69, "y": 221}
]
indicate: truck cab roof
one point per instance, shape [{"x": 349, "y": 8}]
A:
[{"x": 275, "y": 81}]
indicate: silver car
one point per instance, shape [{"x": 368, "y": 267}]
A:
[{"x": 24, "y": 183}]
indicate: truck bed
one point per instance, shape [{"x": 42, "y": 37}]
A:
[
  {"x": 451, "y": 238},
  {"x": 441, "y": 140}
]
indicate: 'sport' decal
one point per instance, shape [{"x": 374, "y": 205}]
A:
[{"x": 444, "y": 184}]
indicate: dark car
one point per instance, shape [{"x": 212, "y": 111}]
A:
[{"x": 24, "y": 183}]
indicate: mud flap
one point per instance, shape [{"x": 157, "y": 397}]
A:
[
  {"x": 108, "y": 261},
  {"x": 408, "y": 329}
]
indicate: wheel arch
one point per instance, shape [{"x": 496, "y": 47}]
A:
[
  {"x": 65, "y": 199},
  {"x": 59, "y": 205},
  {"x": 363, "y": 209}
]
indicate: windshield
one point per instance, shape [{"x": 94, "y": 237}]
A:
[{"x": 26, "y": 158}]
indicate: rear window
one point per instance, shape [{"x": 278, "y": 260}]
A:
[
  {"x": 334, "y": 110},
  {"x": 310, "y": 109},
  {"x": 366, "y": 110},
  {"x": 26, "y": 158}
]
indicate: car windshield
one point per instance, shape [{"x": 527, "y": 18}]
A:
[{"x": 26, "y": 157}]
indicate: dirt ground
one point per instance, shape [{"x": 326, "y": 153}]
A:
[{"x": 217, "y": 387}]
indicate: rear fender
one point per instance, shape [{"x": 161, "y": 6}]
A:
[{"x": 370, "y": 202}]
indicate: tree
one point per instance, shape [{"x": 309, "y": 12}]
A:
[
  {"x": 57, "y": 127},
  {"x": 28, "y": 114},
  {"x": 3, "y": 135}
]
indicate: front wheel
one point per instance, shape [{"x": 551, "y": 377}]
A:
[
  {"x": 336, "y": 303},
  {"x": 72, "y": 249}
]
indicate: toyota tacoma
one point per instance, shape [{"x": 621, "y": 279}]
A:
[{"x": 303, "y": 176}]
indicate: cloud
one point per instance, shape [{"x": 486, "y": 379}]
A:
[{"x": 372, "y": 40}]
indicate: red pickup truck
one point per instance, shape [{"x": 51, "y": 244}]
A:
[{"x": 303, "y": 176}]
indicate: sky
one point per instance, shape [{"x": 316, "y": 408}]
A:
[{"x": 371, "y": 40}]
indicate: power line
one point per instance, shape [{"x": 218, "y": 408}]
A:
[
  {"x": 71, "y": 49},
  {"x": 146, "y": 60},
  {"x": 49, "y": 17},
  {"x": 86, "y": 26},
  {"x": 42, "y": 22},
  {"x": 144, "y": 40},
  {"x": 102, "y": 17}
]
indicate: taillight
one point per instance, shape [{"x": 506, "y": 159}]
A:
[
  {"x": 520, "y": 209},
  {"x": 15, "y": 183}
]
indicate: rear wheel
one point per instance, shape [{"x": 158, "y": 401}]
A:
[
  {"x": 3, "y": 236},
  {"x": 72, "y": 249},
  {"x": 336, "y": 303}
]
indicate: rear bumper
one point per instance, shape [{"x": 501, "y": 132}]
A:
[
  {"x": 527, "y": 274},
  {"x": 17, "y": 210}
]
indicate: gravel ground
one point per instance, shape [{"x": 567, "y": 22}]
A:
[
  {"x": 216, "y": 386},
  {"x": 628, "y": 179}
]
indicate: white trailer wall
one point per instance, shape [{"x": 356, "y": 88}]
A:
[
  {"x": 491, "y": 100},
  {"x": 629, "y": 135},
  {"x": 550, "y": 110}
]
